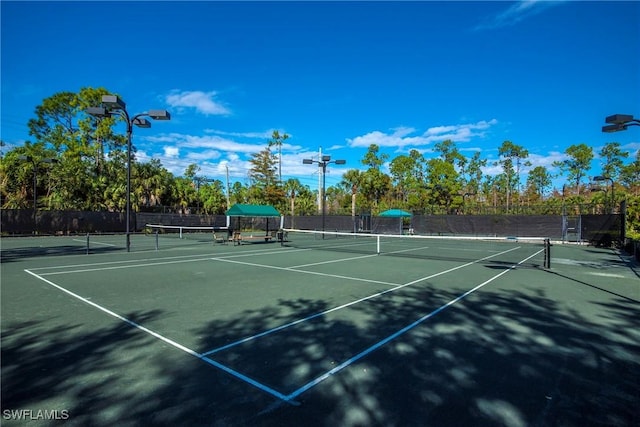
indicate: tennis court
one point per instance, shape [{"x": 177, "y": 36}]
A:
[{"x": 320, "y": 330}]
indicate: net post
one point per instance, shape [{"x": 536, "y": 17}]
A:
[
  {"x": 156, "y": 240},
  {"x": 547, "y": 253},
  {"x": 87, "y": 243},
  {"x": 377, "y": 245},
  {"x": 181, "y": 232}
]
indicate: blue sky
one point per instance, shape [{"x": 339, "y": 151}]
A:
[{"x": 333, "y": 75}]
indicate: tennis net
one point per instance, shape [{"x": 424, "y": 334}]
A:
[
  {"x": 197, "y": 233},
  {"x": 507, "y": 250}
]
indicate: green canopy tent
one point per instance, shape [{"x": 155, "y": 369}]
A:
[
  {"x": 252, "y": 210},
  {"x": 396, "y": 213},
  {"x": 241, "y": 210}
]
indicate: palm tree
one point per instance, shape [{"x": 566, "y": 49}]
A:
[
  {"x": 352, "y": 179},
  {"x": 292, "y": 187}
]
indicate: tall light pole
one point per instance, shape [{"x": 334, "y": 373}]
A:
[
  {"x": 114, "y": 106},
  {"x": 323, "y": 162},
  {"x": 605, "y": 178},
  {"x": 619, "y": 122}
]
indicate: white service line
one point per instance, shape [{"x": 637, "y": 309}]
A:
[
  {"x": 315, "y": 273},
  {"x": 154, "y": 334},
  {"x": 146, "y": 262},
  {"x": 93, "y": 242},
  {"x": 395, "y": 335},
  {"x": 322, "y": 313}
]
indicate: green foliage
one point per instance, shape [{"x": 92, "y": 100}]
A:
[
  {"x": 90, "y": 174},
  {"x": 577, "y": 164}
]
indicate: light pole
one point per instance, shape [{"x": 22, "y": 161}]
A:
[
  {"x": 619, "y": 122},
  {"x": 323, "y": 162},
  {"x": 34, "y": 163},
  {"x": 605, "y": 178},
  {"x": 114, "y": 106}
]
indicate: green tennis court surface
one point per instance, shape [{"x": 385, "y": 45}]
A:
[{"x": 193, "y": 331}]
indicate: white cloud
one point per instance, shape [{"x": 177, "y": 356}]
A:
[
  {"x": 206, "y": 142},
  {"x": 401, "y": 138},
  {"x": 516, "y": 13},
  {"x": 171, "y": 151},
  {"x": 262, "y": 135},
  {"x": 202, "y": 102}
]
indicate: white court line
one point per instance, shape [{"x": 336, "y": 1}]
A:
[
  {"x": 121, "y": 267},
  {"x": 93, "y": 242},
  {"x": 143, "y": 262},
  {"x": 315, "y": 273},
  {"x": 128, "y": 261},
  {"x": 358, "y": 257},
  {"x": 332, "y": 261},
  {"x": 166, "y": 340},
  {"x": 322, "y": 313},
  {"x": 395, "y": 335}
]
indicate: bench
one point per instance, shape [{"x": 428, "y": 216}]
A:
[
  {"x": 238, "y": 238},
  {"x": 222, "y": 239}
]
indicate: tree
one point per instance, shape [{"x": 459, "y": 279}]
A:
[
  {"x": 509, "y": 151},
  {"x": 276, "y": 141},
  {"x": 150, "y": 183},
  {"x": 473, "y": 183},
  {"x": 539, "y": 180},
  {"x": 578, "y": 162},
  {"x": 612, "y": 157},
  {"x": 408, "y": 175},
  {"x": 373, "y": 159},
  {"x": 630, "y": 175},
  {"x": 292, "y": 187},
  {"x": 443, "y": 183},
  {"x": 213, "y": 198},
  {"x": 352, "y": 180},
  {"x": 263, "y": 178}
]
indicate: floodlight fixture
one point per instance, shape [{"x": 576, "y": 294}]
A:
[
  {"x": 141, "y": 123},
  {"x": 159, "y": 114},
  {"x": 618, "y": 122},
  {"x": 619, "y": 119},
  {"x": 98, "y": 112},
  {"x": 323, "y": 162},
  {"x": 113, "y": 105},
  {"x": 113, "y": 102},
  {"x": 614, "y": 128}
]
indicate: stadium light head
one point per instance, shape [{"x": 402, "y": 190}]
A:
[
  {"x": 326, "y": 158},
  {"x": 601, "y": 178},
  {"x": 614, "y": 128},
  {"x": 141, "y": 123},
  {"x": 340, "y": 162},
  {"x": 619, "y": 119},
  {"x": 113, "y": 102},
  {"x": 97, "y": 112},
  {"x": 307, "y": 161},
  {"x": 159, "y": 115}
]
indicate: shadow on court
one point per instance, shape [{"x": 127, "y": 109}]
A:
[
  {"x": 21, "y": 254},
  {"x": 495, "y": 359}
]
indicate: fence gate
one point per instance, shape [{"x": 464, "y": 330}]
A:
[
  {"x": 571, "y": 228},
  {"x": 365, "y": 222}
]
